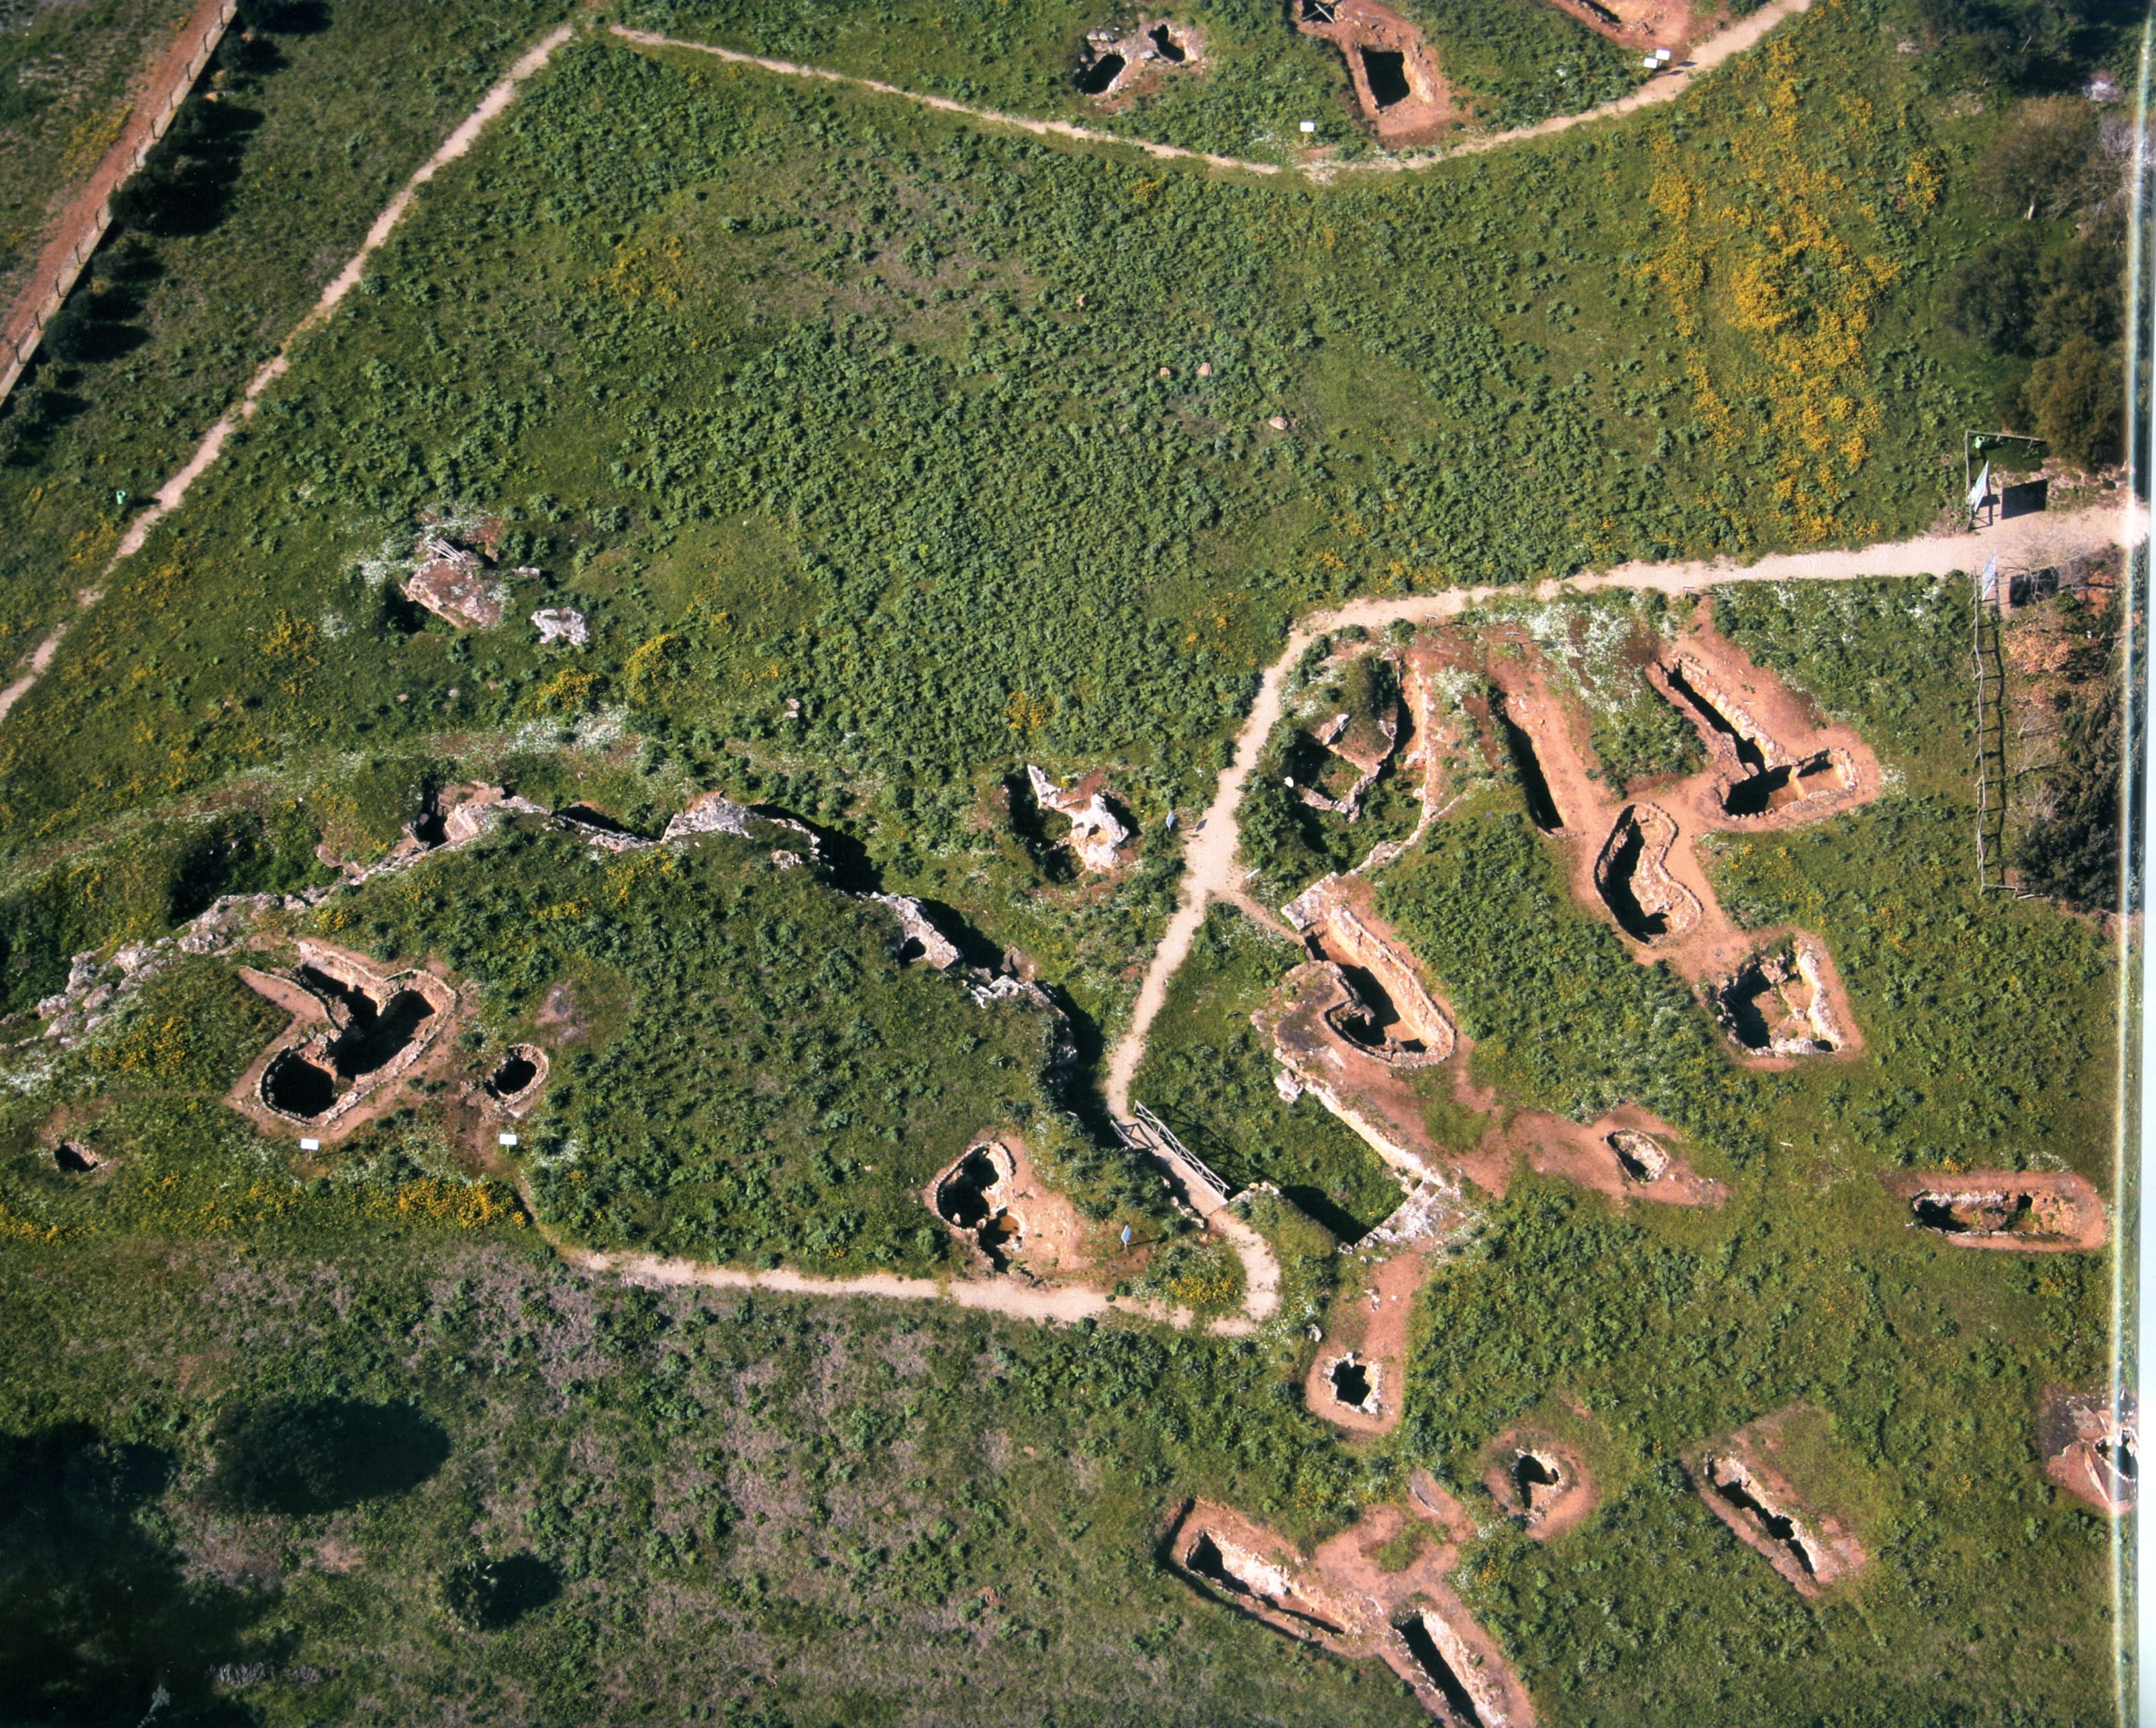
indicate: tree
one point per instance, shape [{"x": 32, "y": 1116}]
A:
[{"x": 2077, "y": 399}]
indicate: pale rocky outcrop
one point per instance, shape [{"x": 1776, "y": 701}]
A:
[
  {"x": 918, "y": 933},
  {"x": 563, "y": 623},
  {"x": 1094, "y": 832}
]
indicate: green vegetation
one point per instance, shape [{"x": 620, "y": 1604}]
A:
[
  {"x": 1519, "y": 65},
  {"x": 1289, "y": 842},
  {"x": 552, "y": 1500},
  {"x": 1928, "y": 1367},
  {"x": 2048, "y": 300},
  {"x": 252, "y": 204},
  {"x": 845, "y": 426},
  {"x": 1210, "y": 1077},
  {"x": 1257, "y": 80},
  {"x": 66, "y": 69},
  {"x": 139, "y": 886}
]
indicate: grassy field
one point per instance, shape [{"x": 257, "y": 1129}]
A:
[
  {"x": 796, "y": 399},
  {"x": 886, "y": 454},
  {"x": 251, "y": 205}
]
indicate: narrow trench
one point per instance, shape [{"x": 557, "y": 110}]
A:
[
  {"x": 1747, "y": 752},
  {"x": 1534, "y": 784},
  {"x": 1204, "y": 1558},
  {"x": 1423, "y": 1648},
  {"x": 1617, "y": 894},
  {"x": 1781, "y": 1529},
  {"x": 1094, "y": 79},
  {"x": 1387, "y": 70}
]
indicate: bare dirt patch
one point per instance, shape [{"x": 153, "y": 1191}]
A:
[
  {"x": 1630, "y": 1154},
  {"x": 1398, "y": 85},
  {"x": 1346, "y": 1599},
  {"x": 993, "y": 1201},
  {"x": 2023, "y": 1212},
  {"x": 1538, "y": 1480},
  {"x": 1357, "y": 1379},
  {"x": 1740, "y": 1483},
  {"x": 2091, "y": 1449},
  {"x": 1643, "y": 24}
]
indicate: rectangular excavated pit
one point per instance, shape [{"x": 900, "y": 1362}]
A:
[
  {"x": 1423, "y": 1646},
  {"x": 1534, "y": 783},
  {"x": 1387, "y": 69}
]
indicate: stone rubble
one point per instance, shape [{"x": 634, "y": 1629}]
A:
[
  {"x": 1095, "y": 833},
  {"x": 562, "y": 624}
]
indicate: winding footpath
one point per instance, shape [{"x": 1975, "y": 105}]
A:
[
  {"x": 1210, "y": 870},
  {"x": 1666, "y": 87}
]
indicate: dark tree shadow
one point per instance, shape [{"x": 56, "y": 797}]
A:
[
  {"x": 95, "y": 1617},
  {"x": 294, "y": 1457},
  {"x": 489, "y": 1596}
]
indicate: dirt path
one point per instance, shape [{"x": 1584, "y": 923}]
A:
[
  {"x": 1667, "y": 88},
  {"x": 1062, "y": 1304},
  {"x": 175, "y": 488},
  {"x": 1210, "y": 867},
  {"x": 88, "y": 212}
]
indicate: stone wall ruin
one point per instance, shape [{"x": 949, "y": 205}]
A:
[
  {"x": 1631, "y": 872},
  {"x": 357, "y": 1032},
  {"x": 1777, "y": 1004},
  {"x": 1094, "y": 832}
]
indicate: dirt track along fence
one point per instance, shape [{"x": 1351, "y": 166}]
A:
[{"x": 88, "y": 212}]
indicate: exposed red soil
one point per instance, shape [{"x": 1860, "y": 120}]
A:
[
  {"x": 2089, "y": 1450},
  {"x": 1429, "y": 1498},
  {"x": 1429, "y": 109},
  {"x": 1369, "y": 1321},
  {"x": 2020, "y": 1212},
  {"x": 1343, "y": 1599},
  {"x": 1641, "y": 25},
  {"x": 1740, "y": 1483},
  {"x": 430, "y": 1054},
  {"x": 1543, "y": 1509},
  {"x": 1035, "y": 1232},
  {"x": 1584, "y": 1153}
]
